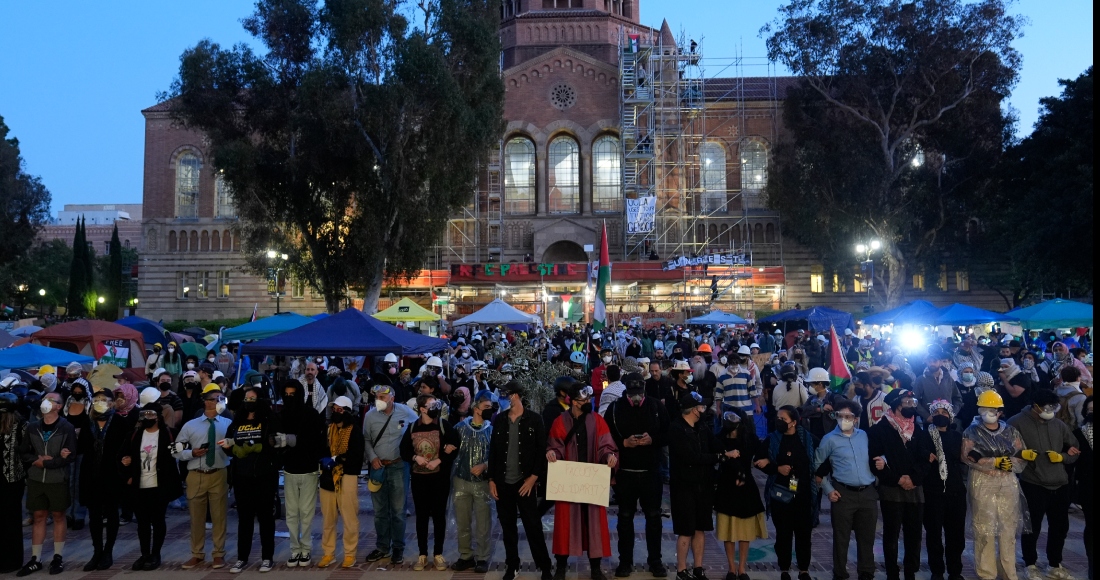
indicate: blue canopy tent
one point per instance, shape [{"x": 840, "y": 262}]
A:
[
  {"x": 319, "y": 315},
  {"x": 151, "y": 331},
  {"x": 717, "y": 317},
  {"x": 914, "y": 312},
  {"x": 815, "y": 318},
  {"x": 266, "y": 327},
  {"x": 1057, "y": 313},
  {"x": 963, "y": 315},
  {"x": 35, "y": 355},
  {"x": 349, "y": 333}
]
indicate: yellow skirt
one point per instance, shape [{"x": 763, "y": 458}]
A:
[{"x": 731, "y": 529}]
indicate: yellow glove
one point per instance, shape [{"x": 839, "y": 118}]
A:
[
  {"x": 1029, "y": 455},
  {"x": 1054, "y": 456},
  {"x": 1003, "y": 463}
]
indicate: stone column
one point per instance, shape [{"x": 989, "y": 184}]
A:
[
  {"x": 541, "y": 177},
  {"x": 586, "y": 183}
]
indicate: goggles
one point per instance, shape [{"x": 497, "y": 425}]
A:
[
  {"x": 148, "y": 414},
  {"x": 731, "y": 417},
  {"x": 382, "y": 390},
  {"x": 584, "y": 394},
  {"x": 844, "y": 417}
]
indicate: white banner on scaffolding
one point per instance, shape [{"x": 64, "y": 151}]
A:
[
  {"x": 640, "y": 214},
  {"x": 727, "y": 259}
]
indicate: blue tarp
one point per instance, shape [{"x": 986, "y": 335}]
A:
[
  {"x": 717, "y": 317},
  {"x": 915, "y": 312},
  {"x": 815, "y": 317},
  {"x": 266, "y": 327},
  {"x": 963, "y": 315},
  {"x": 349, "y": 333},
  {"x": 35, "y": 355},
  {"x": 151, "y": 331},
  {"x": 319, "y": 315},
  {"x": 1057, "y": 313}
]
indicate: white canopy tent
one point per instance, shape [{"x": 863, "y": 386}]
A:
[{"x": 499, "y": 312}]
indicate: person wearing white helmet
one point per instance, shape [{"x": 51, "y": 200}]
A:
[
  {"x": 736, "y": 388},
  {"x": 340, "y": 470},
  {"x": 818, "y": 409}
]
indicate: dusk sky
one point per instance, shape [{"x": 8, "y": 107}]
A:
[{"x": 74, "y": 76}]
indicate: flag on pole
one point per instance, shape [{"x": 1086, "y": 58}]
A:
[
  {"x": 603, "y": 280},
  {"x": 839, "y": 376},
  {"x": 254, "y": 310}
]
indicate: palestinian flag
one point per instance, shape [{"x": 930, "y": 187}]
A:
[
  {"x": 603, "y": 280},
  {"x": 839, "y": 375}
]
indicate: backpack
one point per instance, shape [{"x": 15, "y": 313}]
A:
[{"x": 1065, "y": 412}]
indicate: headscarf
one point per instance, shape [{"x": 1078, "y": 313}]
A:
[
  {"x": 129, "y": 398},
  {"x": 935, "y": 434}
]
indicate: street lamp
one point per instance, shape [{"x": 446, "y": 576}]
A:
[
  {"x": 867, "y": 265},
  {"x": 278, "y": 261},
  {"x": 42, "y": 292}
]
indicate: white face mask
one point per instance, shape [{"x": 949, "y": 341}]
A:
[
  {"x": 224, "y": 350},
  {"x": 101, "y": 407},
  {"x": 990, "y": 417},
  {"x": 219, "y": 408},
  {"x": 46, "y": 406},
  {"x": 688, "y": 379},
  {"x": 846, "y": 425},
  {"x": 606, "y": 359},
  {"x": 171, "y": 350},
  {"x": 381, "y": 405},
  {"x": 722, "y": 360},
  {"x": 1046, "y": 416},
  {"x": 190, "y": 366}
]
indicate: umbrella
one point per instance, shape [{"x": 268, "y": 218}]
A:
[
  {"x": 181, "y": 338},
  {"x": 914, "y": 312},
  {"x": 35, "y": 355},
  {"x": 1057, "y": 313},
  {"x": 103, "y": 376},
  {"x": 24, "y": 330},
  {"x": 151, "y": 331},
  {"x": 193, "y": 348},
  {"x": 963, "y": 315}
]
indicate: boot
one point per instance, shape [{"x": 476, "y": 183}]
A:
[
  {"x": 107, "y": 559},
  {"x": 93, "y": 563}
]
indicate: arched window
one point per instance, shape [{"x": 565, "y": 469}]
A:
[
  {"x": 564, "y": 180},
  {"x": 712, "y": 234},
  {"x": 724, "y": 237},
  {"x": 215, "y": 241},
  {"x": 204, "y": 243},
  {"x": 125, "y": 243},
  {"x": 758, "y": 234},
  {"x": 519, "y": 177},
  {"x": 172, "y": 245},
  {"x": 224, "y": 207},
  {"x": 754, "y": 166},
  {"x": 769, "y": 233},
  {"x": 227, "y": 241},
  {"x": 607, "y": 176},
  {"x": 714, "y": 178},
  {"x": 187, "y": 185},
  {"x": 194, "y": 245},
  {"x": 735, "y": 232}
]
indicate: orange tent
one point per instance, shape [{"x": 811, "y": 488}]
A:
[{"x": 95, "y": 338}]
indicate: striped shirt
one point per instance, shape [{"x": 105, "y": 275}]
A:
[{"x": 736, "y": 389}]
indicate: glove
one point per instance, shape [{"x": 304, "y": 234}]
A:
[
  {"x": 974, "y": 456},
  {"x": 1054, "y": 456},
  {"x": 180, "y": 447},
  {"x": 1029, "y": 455},
  {"x": 227, "y": 442},
  {"x": 328, "y": 463},
  {"x": 280, "y": 440},
  {"x": 291, "y": 440},
  {"x": 1003, "y": 463}
]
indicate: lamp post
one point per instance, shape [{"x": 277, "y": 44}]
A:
[
  {"x": 278, "y": 262},
  {"x": 867, "y": 266}
]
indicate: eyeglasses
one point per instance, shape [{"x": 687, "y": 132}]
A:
[
  {"x": 1050, "y": 408},
  {"x": 213, "y": 399}
]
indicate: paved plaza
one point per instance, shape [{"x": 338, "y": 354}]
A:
[{"x": 762, "y": 556}]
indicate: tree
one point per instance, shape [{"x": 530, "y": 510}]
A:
[
  {"x": 1036, "y": 235},
  {"x": 43, "y": 268},
  {"x": 78, "y": 278},
  {"x": 113, "y": 279},
  {"x": 894, "y": 126},
  {"x": 350, "y": 143},
  {"x": 24, "y": 202},
  {"x": 88, "y": 260}
]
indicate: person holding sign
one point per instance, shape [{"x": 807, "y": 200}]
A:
[{"x": 581, "y": 436}]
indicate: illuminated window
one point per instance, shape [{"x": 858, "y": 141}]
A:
[
  {"x": 714, "y": 178},
  {"x": 225, "y": 207},
  {"x": 839, "y": 284},
  {"x": 204, "y": 279},
  {"x": 858, "y": 282},
  {"x": 223, "y": 284},
  {"x": 298, "y": 288},
  {"x": 918, "y": 282},
  {"x": 817, "y": 279},
  {"x": 962, "y": 281},
  {"x": 607, "y": 177},
  {"x": 187, "y": 186},
  {"x": 183, "y": 287},
  {"x": 754, "y": 166},
  {"x": 564, "y": 183},
  {"x": 941, "y": 283},
  {"x": 519, "y": 177}
]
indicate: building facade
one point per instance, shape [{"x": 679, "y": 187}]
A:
[{"x": 99, "y": 222}]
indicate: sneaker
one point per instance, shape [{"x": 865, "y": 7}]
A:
[
  {"x": 1058, "y": 573},
  {"x": 377, "y": 555},
  {"x": 93, "y": 563},
  {"x": 304, "y": 560},
  {"x": 463, "y": 564},
  {"x": 32, "y": 566},
  {"x": 482, "y": 567},
  {"x": 623, "y": 570},
  {"x": 421, "y": 563},
  {"x": 293, "y": 561},
  {"x": 510, "y": 573},
  {"x": 1034, "y": 573},
  {"x": 440, "y": 563},
  {"x": 218, "y": 563},
  {"x": 267, "y": 565},
  {"x": 699, "y": 574},
  {"x": 684, "y": 575},
  {"x": 325, "y": 562},
  {"x": 396, "y": 558},
  {"x": 151, "y": 563},
  {"x": 57, "y": 566},
  {"x": 349, "y": 562},
  {"x": 238, "y": 567},
  {"x": 658, "y": 570},
  {"x": 194, "y": 561}
]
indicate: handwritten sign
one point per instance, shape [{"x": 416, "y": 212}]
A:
[{"x": 576, "y": 482}]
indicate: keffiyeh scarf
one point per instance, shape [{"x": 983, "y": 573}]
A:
[{"x": 904, "y": 426}]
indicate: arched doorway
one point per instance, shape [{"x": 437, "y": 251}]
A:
[{"x": 564, "y": 251}]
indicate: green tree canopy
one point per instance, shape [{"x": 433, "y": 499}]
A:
[
  {"x": 354, "y": 138},
  {"x": 24, "y": 201}
]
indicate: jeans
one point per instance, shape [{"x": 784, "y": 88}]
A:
[
  {"x": 510, "y": 503},
  {"x": 1054, "y": 505},
  {"x": 301, "y": 505},
  {"x": 150, "y": 510},
  {"x": 632, "y": 488},
  {"x": 77, "y": 511},
  {"x": 389, "y": 509},
  {"x": 855, "y": 511},
  {"x": 472, "y": 498},
  {"x": 898, "y": 517},
  {"x": 255, "y": 503},
  {"x": 945, "y": 531}
]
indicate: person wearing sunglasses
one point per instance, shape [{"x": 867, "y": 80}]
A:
[
  {"x": 582, "y": 436},
  {"x": 150, "y": 473},
  {"x": 1049, "y": 446}
]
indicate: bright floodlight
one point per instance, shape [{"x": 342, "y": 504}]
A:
[
  {"x": 42, "y": 292},
  {"x": 272, "y": 253},
  {"x": 101, "y": 300},
  {"x": 875, "y": 244},
  {"x": 861, "y": 248},
  {"x": 912, "y": 340}
]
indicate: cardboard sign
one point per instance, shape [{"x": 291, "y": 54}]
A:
[{"x": 576, "y": 482}]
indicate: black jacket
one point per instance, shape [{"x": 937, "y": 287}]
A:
[
  {"x": 551, "y": 411},
  {"x": 692, "y": 453},
  {"x": 625, "y": 420},
  {"x": 901, "y": 458},
  {"x": 532, "y": 446},
  {"x": 351, "y": 460},
  {"x": 1082, "y": 471},
  {"x": 956, "y": 470},
  {"x": 308, "y": 429},
  {"x": 168, "y": 474},
  {"x": 100, "y": 471}
]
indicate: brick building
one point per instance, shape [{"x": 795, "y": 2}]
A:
[{"x": 602, "y": 113}]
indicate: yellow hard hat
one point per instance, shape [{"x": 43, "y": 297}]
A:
[
  {"x": 374, "y": 486},
  {"x": 991, "y": 400},
  {"x": 46, "y": 369},
  {"x": 211, "y": 387}
]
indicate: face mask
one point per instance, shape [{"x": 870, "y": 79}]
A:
[
  {"x": 846, "y": 425},
  {"x": 381, "y": 405},
  {"x": 101, "y": 407},
  {"x": 636, "y": 399},
  {"x": 1088, "y": 417},
  {"x": 606, "y": 360},
  {"x": 190, "y": 366},
  {"x": 148, "y": 423},
  {"x": 224, "y": 350},
  {"x": 586, "y": 408},
  {"x": 165, "y": 385},
  {"x": 968, "y": 379},
  {"x": 689, "y": 378},
  {"x": 990, "y": 417},
  {"x": 1027, "y": 364},
  {"x": 723, "y": 360},
  {"x": 45, "y": 406},
  {"x": 941, "y": 420},
  {"x": 1046, "y": 415},
  {"x": 434, "y": 413},
  {"x": 909, "y": 412},
  {"x": 209, "y": 359},
  {"x": 250, "y": 406},
  {"x": 486, "y": 414},
  {"x": 171, "y": 350},
  {"x": 220, "y": 407},
  {"x": 78, "y": 396}
]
